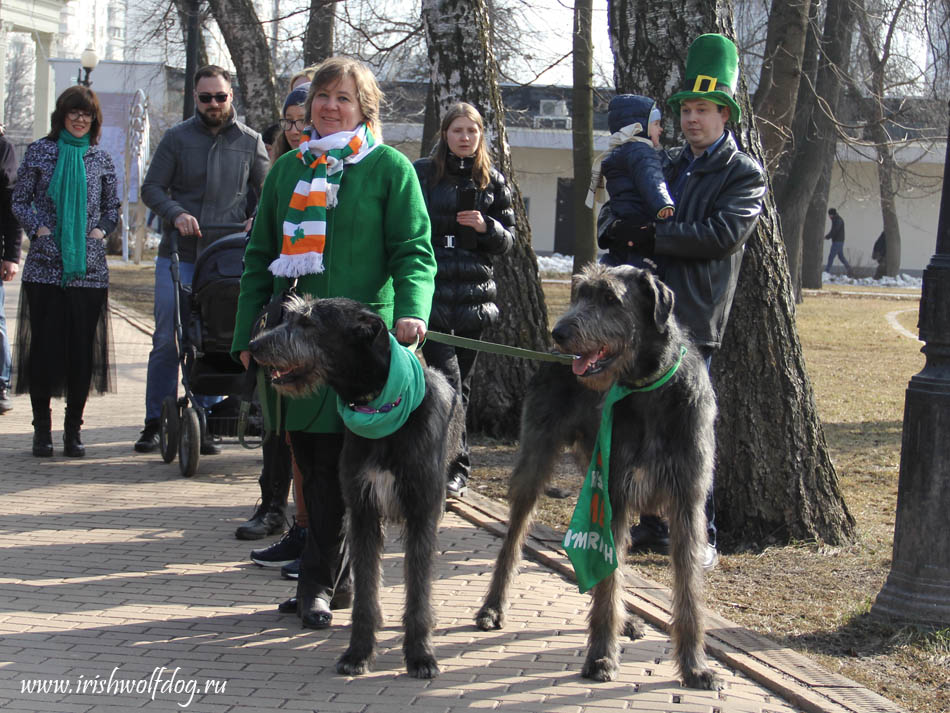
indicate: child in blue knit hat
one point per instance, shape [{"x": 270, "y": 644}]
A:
[{"x": 633, "y": 173}]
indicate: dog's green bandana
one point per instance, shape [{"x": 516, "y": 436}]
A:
[
  {"x": 589, "y": 540},
  {"x": 403, "y": 392}
]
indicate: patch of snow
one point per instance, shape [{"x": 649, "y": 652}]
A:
[{"x": 557, "y": 263}]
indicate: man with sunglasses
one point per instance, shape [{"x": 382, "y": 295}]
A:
[{"x": 207, "y": 171}]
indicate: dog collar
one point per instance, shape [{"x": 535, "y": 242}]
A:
[
  {"x": 385, "y": 408},
  {"x": 642, "y": 385}
]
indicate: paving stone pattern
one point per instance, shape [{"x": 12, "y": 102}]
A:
[{"x": 123, "y": 577}]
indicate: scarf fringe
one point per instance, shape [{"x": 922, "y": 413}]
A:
[{"x": 291, "y": 266}]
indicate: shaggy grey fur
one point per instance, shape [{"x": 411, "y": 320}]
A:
[
  {"x": 621, "y": 323},
  {"x": 401, "y": 477}
]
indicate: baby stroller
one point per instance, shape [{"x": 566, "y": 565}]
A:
[{"x": 204, "y": 327}]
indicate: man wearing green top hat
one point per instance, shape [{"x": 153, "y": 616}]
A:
[{"x": 718, "y": 191}]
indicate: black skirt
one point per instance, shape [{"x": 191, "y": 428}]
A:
[{"x": 59, "y": 329}]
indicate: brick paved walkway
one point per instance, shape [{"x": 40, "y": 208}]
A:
[{"x": 119, "y": 572}]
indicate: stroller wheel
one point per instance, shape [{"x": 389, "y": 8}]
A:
[
  {"x": 168, "y": 434},
  {"x": 189, "y": 442}
]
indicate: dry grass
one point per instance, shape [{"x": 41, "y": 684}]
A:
[{"x": 809, "y": 597}]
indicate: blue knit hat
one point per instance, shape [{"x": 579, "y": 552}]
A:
[{"x": 297, "y": 97}]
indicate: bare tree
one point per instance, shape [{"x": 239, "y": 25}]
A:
[
  {"x": 318, "y": 40},
  {"x": 247, "y": 44},
  {"x": 582, "y": 132},
  {"x": 18, "y": 96},
  {"x": 464, "y": 69},
  {"x": 775, "y": 478}
]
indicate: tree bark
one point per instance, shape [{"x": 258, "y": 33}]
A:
[
  {"x": 777, "y": 91},
  {"x": 464, "y": 69},
  {"x": 318, "y": 37},
  {"x": 775, "y": 481},
  {"x": 582, "y": 132},
  {"x": 247, "y": 44},
  {"x": 816, "y": 150},
  {"x": 183, "y": 8}
]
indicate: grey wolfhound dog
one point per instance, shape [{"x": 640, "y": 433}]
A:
[
  {"x": 401, "y": 477},
  {"x": 621, "y": 324}
]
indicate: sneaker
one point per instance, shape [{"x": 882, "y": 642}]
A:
[
  {"x": 710, "y": 557},
  {"x": 284, "y": 551},
  {"x": 456, "y": 487},
  {"x": 210, "y": 446},
  {"x": 6, "y": 403},
  {"x": 148, "y": 441},
  {"x": 291, "y": 571},
  {"x": 646, "y": 539},
  {"x": 263, "y": 523}
]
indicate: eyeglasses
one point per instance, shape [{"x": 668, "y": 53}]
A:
[
  {"x": 289, "y": 124},
  {"x": 220, "y": 97},
  {"x": 76, "y": 115}
]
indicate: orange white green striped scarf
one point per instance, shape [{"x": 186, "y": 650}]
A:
[{"x": 305, "y": 225}]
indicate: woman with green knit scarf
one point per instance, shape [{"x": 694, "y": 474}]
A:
[{"x": 66, "y": 201}]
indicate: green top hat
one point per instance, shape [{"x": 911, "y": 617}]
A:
[{"x": 712, "y": 71}]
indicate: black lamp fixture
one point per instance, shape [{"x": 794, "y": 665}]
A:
[{"x": 88, "y": 59}]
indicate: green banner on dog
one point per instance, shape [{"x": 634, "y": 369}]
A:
[{"x": 589, "y": 541}]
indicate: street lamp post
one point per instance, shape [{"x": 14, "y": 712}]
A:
[
  {"x": 88, "y": 61},
  {"x": 918, "y": 586}
]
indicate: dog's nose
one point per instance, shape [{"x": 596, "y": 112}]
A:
[{"x": 559, "y": 333}]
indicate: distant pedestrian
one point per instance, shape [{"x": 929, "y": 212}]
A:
[
  {"x": 879, "y": 254},
  {"x": 836, "y": 236},
  {"x": 10, "y": 237}
]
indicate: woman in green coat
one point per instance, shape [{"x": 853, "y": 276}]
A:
[{"x": 345, "y": 216}]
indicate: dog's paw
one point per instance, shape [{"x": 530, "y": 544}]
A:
[
  {"x": 352, "y": 665},
  {"x": 704, "y": 679},
  {"x": 424, "y": 666},
  {"x": 489, "y": 618},
  {"x": 603, "y": 669},
  {"x": 633, "y": 628}
]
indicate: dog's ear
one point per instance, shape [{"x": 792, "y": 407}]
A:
[{"x": 662, "y": 297}]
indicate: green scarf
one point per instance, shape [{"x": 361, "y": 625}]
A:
[
  {"x": 67, "y": 189},
  {"x": 589, "y": 541},
  {"x": 402, "y": 393}
]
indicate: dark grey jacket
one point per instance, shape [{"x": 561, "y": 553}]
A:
[
  {"x": 10, "y": 232},
  {"x": 214, "y": 177},
  {"x": 700, "y": 250}
]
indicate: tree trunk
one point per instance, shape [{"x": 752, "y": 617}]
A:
[
  {"x": 582, "y": 131},
  {"x": 318, "y": 37},
  {"x": 464, "y": 69},
  {"x": 247, "y": 44},
  {"x": 777, "y": 92},
  {"x": 816, "y": 151},
  {"x": 183, "y": 7},
  {"x": 775, "y": 479}
]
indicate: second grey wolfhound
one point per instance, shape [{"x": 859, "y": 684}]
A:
[{"x": 621, "y": 325}]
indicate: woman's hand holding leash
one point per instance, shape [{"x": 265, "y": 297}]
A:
[{"x": 408, "y": 329}]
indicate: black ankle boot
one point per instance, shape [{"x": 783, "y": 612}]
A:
[
  {"x": 42, "y": 443},
  {"x": 42, "y": 436},
  {"x": 72, "y": 445}
]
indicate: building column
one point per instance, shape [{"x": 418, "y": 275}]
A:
[
  {"x": 44, "y": 86},
  {"x": 5, "y": 28}
]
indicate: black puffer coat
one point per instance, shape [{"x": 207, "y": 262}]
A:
[{"x": 465, "y": 290}]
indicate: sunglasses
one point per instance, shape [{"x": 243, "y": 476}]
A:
[{"x": 220, "y": 97}]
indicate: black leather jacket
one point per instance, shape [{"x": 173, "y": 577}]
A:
[
  {"x": 465, "y": 291},
  {"x": 700, "y": 250}
]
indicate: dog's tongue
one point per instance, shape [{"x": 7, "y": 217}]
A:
[{"x": 583, "y": 362}]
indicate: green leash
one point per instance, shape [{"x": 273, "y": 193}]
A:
[{"x": 483, "y": 346}]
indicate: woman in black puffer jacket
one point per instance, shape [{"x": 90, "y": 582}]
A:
[{"x": 470, "y": 209}]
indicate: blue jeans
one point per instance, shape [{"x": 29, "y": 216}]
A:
[
  {"x": 162, "y": 378},
  {"x": 837, "y": 251},
  {"x": 6, "y": 355}
]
